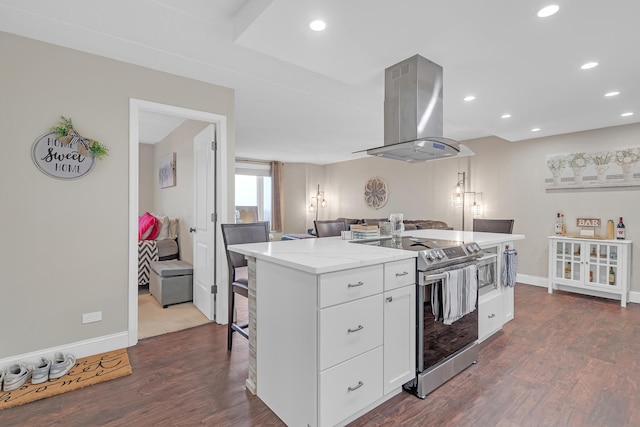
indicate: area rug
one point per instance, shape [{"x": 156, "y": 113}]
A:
[
  {"x": 87, "y": 371},
  {"x": 154, "y": 320}
]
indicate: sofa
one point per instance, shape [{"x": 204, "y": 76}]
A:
[{"x": 409, "y": 224}]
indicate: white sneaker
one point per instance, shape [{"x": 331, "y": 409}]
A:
[
  {"x": 40, "y": 371},
  {"x": 16, "y": 376},
  {"x": 61, "y": 364}
]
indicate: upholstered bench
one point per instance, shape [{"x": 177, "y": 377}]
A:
[{"x": 171, "y": 282}]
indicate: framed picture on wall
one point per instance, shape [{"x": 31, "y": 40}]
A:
[{"x": 167, "y": 171}]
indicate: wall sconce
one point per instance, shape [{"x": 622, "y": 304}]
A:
[{"x": 317, "y": 200}]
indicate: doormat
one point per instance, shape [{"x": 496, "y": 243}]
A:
[{"x": 87, "y": 371}]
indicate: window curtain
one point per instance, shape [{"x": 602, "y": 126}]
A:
[{"x": 277, "y": 202}]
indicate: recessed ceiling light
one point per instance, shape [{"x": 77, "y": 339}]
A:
[
  {"x": 627, "y": 114},
  {"x": 614, "y": 93},
  {"x": 469, "y": 98},
  {"x": 318, "y": 25},
  {"x": 505, "y": 116},
  {"x": 589, "y": 65},
  {"x": 548, "y": 10},
  {"x": 535, "y": 130}
]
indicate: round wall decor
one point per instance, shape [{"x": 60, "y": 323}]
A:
[
  {"x": 376, "y": 193},
  {"x": 58, "y": 160}
]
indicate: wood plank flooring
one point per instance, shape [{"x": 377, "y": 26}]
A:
[{"x": 566, "y": 360}]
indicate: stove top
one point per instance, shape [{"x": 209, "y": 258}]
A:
[{"x": 433, "y": 253}]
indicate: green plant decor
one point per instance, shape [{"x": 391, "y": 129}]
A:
[
  {"x": 97, "y": 150},
  {"x": 65, "y": 133}
]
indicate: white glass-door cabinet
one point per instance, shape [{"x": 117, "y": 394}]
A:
[{"x": 590, "y": 266}]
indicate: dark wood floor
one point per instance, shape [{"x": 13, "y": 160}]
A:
[{"x": 566, "y": 360}]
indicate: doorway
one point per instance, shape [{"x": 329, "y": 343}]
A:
[{"x": 218, "y": 202}]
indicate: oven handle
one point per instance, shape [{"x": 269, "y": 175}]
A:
[{"x": 432, "y": 278}]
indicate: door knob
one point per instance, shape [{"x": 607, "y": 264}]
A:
[{"x": 192, "y": 230}]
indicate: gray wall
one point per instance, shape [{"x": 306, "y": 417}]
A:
[
  {"x": 300, "y": 180},
  {"x": 65, "y": 248}
]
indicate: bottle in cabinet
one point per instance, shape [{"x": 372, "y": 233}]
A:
[
  {"x": 567, "y": 271},
  {"x": 612, "y": 276}
]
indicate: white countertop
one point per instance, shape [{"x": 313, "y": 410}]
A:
[{"x": 329, "y": 254}]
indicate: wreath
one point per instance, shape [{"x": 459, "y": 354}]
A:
[{"x": 66, "y": 134}]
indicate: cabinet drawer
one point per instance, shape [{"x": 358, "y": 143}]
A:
[
  {"x": 350, "y": 329},
  {"x": 349, "y": 387},
  {"x": 490, "y": 317},
  {"x": 349, "y": 285},
  {"x": 399, "y": 273}
]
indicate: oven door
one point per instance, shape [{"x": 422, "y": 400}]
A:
[
  {"x": 437, "y": 341},
  {"x": 488, "y": 271}
]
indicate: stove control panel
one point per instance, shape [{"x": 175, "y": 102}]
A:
[{"x": 433, "y": 258}]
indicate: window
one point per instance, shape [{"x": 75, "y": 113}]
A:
[{"x": 253, "y": 192}]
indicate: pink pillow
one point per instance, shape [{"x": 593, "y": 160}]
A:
[{"x": 148, "y": 228}]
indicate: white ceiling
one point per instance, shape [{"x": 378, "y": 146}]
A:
[
  {"x": 313, "y": 97},
  {"x": 154, "y": 127}
]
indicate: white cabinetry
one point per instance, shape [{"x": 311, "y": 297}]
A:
[
  {"x": 495, "y": 303},
  {"x": 333, "y": 345},
  {"x": 399, "y": 324},
  {"x": 589, "y": 266}
]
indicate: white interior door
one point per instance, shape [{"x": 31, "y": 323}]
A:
[{"x": 204, "y": 250}]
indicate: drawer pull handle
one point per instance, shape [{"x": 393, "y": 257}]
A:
[
  {"x": 491, "y": 316},
  {"x": 352, "y": 285},
  {"x": 360, "y": 384},
  {"x": 402, "y": 274},
  {"x": 359, "y": 328},
  {"x": 389, "y": 299}
]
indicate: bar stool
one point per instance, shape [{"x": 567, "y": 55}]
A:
[
  {"x": 235, "y": 234},
  {"x": 328, "y": 228},
  {"x": 493, "y": 225}
]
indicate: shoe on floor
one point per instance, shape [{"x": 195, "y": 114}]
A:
[
  {"x": 40, "y": 371},
  {"x": 61, "y": 364},
  {"x": 16, "y": 376}
]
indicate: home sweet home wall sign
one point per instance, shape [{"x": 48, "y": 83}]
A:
[
  {"x": 60, "y": 160},
  {"x": 63, "y": 153}
]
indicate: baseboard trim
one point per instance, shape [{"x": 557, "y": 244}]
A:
[
  {"x": 532, "y": 280},
  {"x": 527, "y": 279},
  {"x": 79, "y": 348}
]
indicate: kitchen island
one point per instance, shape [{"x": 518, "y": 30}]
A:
[{"x": 332, "y": 323}]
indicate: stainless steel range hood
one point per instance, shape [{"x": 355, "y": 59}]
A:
[{"x": 413, "y": 114}]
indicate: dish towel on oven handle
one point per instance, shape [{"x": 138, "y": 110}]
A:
[
  {"x": 459, "y": 293},
  {"x": 509, "y": 267}
]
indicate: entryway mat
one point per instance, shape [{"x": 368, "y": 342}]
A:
[{"x": 87, "y": 371}]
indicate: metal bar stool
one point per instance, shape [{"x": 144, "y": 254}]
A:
[{"x": 235, "y": 234}]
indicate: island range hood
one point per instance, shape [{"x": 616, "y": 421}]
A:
[{"x": 413, "y": 114}]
